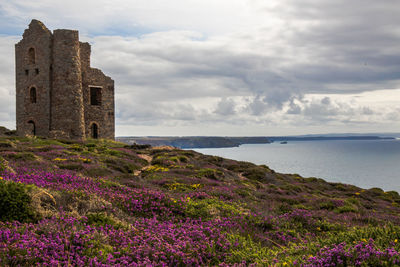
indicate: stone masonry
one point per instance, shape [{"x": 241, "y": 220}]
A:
[{"x": 58, "y": 94}]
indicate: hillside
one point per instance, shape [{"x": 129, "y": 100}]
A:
[{"x": 104, "y": 203}]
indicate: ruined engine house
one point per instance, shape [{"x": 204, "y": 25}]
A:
[{"x": 58, "y": 94}]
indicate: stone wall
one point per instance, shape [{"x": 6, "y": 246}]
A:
[
  {"x": 66, "y": 95},
  {"x": 102, "y": 115},
  {"x": 62, "y": 76},
  {"x": 33, "y": 74}
]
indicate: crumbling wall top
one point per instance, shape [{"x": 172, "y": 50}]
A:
[{"x": 36, "y": 26}]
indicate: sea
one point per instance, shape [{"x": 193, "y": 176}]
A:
[{"x": 364, "y": 163}]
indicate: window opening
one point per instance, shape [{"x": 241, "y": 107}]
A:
[
  {"x": 33, "y": 95},
  {"x": 95, "y": 96},
  {"x": 31, "y": 55}
]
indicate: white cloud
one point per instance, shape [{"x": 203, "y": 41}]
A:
[{"x": 7, "y": 81}]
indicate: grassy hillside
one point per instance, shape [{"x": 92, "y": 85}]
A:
[{"x": 102, "y": 203}]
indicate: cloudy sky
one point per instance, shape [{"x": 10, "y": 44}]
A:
[{"x": 230, "y": 67}]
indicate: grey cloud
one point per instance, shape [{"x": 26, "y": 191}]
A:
[
  {"x": 327, "y": 110},
  {"x": 185, "y": 68},
  {"x": 393, "y": 115},
  {"x": 257, "y": 106},
  {"x": 345, "y": 43},
  {"x": 367, "y": 111},
  {"x": 225, "y": 107},
  {"x": 317, "y": 47},
  {"x": 294, "y": 108},
  {"x": 326, "y": 101}
]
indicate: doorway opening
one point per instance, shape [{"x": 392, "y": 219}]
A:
[
  {"x": 94, "y": 129},
  {"x": 31, "y": 128}
]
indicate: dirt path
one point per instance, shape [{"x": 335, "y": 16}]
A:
[{"x": 148, "y": 159}]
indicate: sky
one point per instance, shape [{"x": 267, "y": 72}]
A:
[{"x": 229, "y": 67}]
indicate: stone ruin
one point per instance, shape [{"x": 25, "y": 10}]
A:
[{"x": 58, "y": 94}]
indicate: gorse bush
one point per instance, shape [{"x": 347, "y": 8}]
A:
[
  {"x": 183, "y": 187},
  {"x": 15, "y": 203}
]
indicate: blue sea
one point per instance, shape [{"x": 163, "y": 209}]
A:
[{"x": 373, "y": 163}]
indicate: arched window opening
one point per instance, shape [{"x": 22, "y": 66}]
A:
[
  {"x": 33, "y": 95},
  {"x": 94, "y": 129},
  {"x": 31, "y": 128},
  {"x": 31, "y": 55}
]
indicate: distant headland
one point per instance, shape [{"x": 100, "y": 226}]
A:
[{"x": 226, "y": 141}]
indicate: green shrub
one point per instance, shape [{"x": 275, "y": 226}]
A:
[
  {"x": 100, "y": 219},
  {"x": 98, "y": 247},
  {"x": 181, "y": 187},
  {"x": 326, "y": 226},
  {"x": 383, "y": 235},
  {"x": 346, "y": 208},
  {"x": 23, "y": 156},
  {"x": 137, "y": 146},
  {"x": 390, "y": 196},
  {"x": 243, "y": 192},
  {"x": 329, "y": 205},
  {"x": 246, "y": 250},
  {"x": 15, "y": 203},
  {"x": 210, "y": 173},
  {"x": 90, "y": 145},
  {"x": 11, "y": 132},
  {"x": 188, "y": 153},
  {"x": 162, "y": 161},
  {"x": 375, "y": 191},
  {"x": 72, "y": 167},
  {"x": 77, "y": 147},
  {"x": 111, "y": 152},
  {"x": 210, "y": 207},
  {"x": 178, "y": 159},
  {"x": 3, "y": 165},
  {"x": 121, "y": 166},
  {"x": 7, "y": 144},
  {"x": 255, "y": 173},
  {"x": 294, "y": 189},
  {"x": 240, "y": 166},
  {"x": 109, "y": 184},
  {"x": 97, "y": 172},
  {"x": 284, "y": 208},
  {"x": 288, "y": 200},
  {"x": 214, "y": 159}
]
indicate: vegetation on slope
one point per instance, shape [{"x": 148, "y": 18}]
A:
[{"x": 102, "y": 203}]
